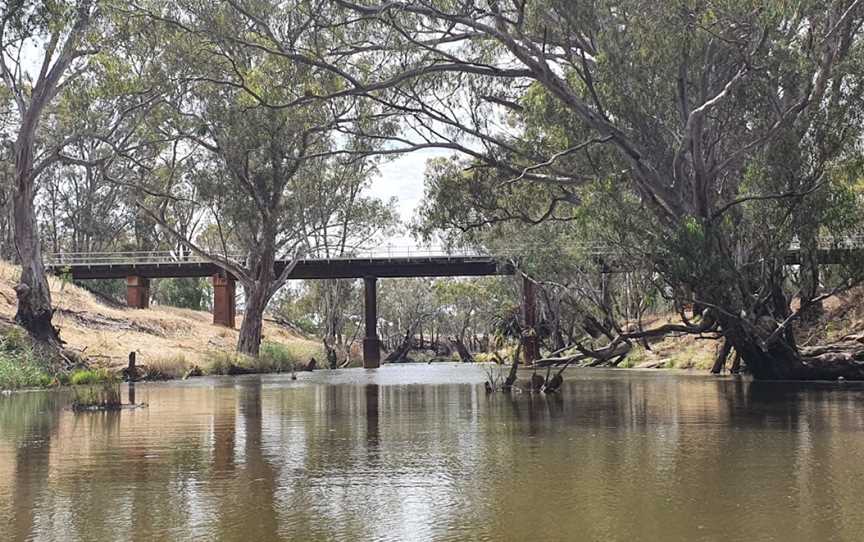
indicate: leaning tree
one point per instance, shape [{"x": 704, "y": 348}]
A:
[{"x": 727, "y": 120}]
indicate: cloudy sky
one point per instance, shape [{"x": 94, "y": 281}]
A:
[{"x": 402, "y": 178}]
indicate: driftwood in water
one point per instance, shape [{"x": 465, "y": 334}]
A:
[
  {"x": 511, "y": 377},
  {"x": 722, "y": 356},
  {"x": 535, "y": 384},
  {"x": 460, "y": 348},
  {"x": 736, "y": 364},
  {"x": 612, "y": 354},
  {"x": 553, "y": 385}
]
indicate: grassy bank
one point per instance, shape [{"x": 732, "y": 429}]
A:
[
  {"x": 169, "y": 342},
  {"x": 20, "y": 364},
  {"x": 20, "y": 368}
]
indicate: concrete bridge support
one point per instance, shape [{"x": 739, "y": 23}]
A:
[
  {"x": 371, "y": 343},
  {"x": 530, "y": 340},
  {"x": 224, "y": 300},
  {"x": 137, "y": 292}
]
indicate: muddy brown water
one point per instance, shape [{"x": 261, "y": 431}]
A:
[{"x": 420, "y": 452}]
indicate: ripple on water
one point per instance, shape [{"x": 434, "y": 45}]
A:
[{"x": 420, "y": 452}]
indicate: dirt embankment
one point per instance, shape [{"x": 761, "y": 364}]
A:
[
  {"x": 842, "y": 318},
  {"x": 106, "y": 334}
]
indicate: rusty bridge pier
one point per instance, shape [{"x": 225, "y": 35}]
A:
[
  {"x": 137, "y": 292},
  {"x": 224, "y": 300}
]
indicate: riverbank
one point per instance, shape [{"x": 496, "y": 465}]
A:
[
  {"x": 842, "y": 320},
  {"x": 169, "y": 342}
]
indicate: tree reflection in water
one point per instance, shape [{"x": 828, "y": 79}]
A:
[{"x": 356, "y": 456}]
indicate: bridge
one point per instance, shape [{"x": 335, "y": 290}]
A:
[{"x": 138, "y": 268}]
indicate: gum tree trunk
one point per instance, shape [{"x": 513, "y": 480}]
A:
[
  {"x": 258, "y": 293},
  {"x": 34, "y": 311},
  {"x": 257, "y": 298},
  {"x": 784, "y": 361}
]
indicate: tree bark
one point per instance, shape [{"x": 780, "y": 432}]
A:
[
  {"x": 34, "y": 311},
  {"x": 463, "y": 352},
  {"x": 722, "y": 356},
  {"x": 811, "y": 311},
  {"x": 781, "y": 360},
  {"x": 736, "y": 364},
  {"x": 257, "y": 297},
  {"x": 401, "y": 351}
]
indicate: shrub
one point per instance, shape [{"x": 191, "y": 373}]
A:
[
  {"x": 272, "y": 358},
  {"x": 20, "y": 367},
  {"x": 636, "y": 356},
  {"x": 275, "y": 358},
  {"x": 227, "y": 363},
  {"x": 16, "y": 340},
  {"x": 20, "y": 372}
]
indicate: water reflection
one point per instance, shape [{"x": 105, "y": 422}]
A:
[
  {"x": 422, "y": 453},
  {"x": 371, "y": 391}
]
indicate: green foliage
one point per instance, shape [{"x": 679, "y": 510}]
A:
[
  {"x": 306, "y": 325},
  {"x": 186, "y": 293},
  {"x": 85, "y": 377},
  {"x": 227, "y": 363},
  {"x": 20, "y": 366},
  {"x": 276, "y": 358},
  {"x": 111, "y": 288},
  {"x": 65, "y": 275},
  {"x": 273, "y": 358},
  {"x": 105, "y": 396},
  {"x": 19, "y": 372},
  {"x": 636, "y": 356},
  {"x": 15, "y": 340}
]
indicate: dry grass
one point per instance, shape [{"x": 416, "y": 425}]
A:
[
  {"x": 166, "y": 339},
  {"x": 843, "y": 316}
]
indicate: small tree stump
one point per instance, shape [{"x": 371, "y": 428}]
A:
[{"x": 130, "y": 373}]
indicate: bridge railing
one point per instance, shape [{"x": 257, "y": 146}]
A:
[
  {"x": 853, "y": 241},
  {"x": 829, "y": 242},
  {"x": 61, "y": 259}
]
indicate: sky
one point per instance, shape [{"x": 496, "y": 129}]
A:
[{"x": 402, "y": 178}]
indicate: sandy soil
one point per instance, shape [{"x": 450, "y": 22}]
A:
[{"x": 106, "y": 334}]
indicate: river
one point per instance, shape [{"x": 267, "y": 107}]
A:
[{"x": 421, "y": 452}]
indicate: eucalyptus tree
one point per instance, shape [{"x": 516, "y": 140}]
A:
[
  {"x": 468, "y": 309},
  {"x": 260, "y": 124},
  {"x": 588, "y": 291},
  {"x": 58, "y": 32},
  {"x": 405, "y": 306},
  {"x": 684, "y": 106},
  {"x": 54, "y": 67}
]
